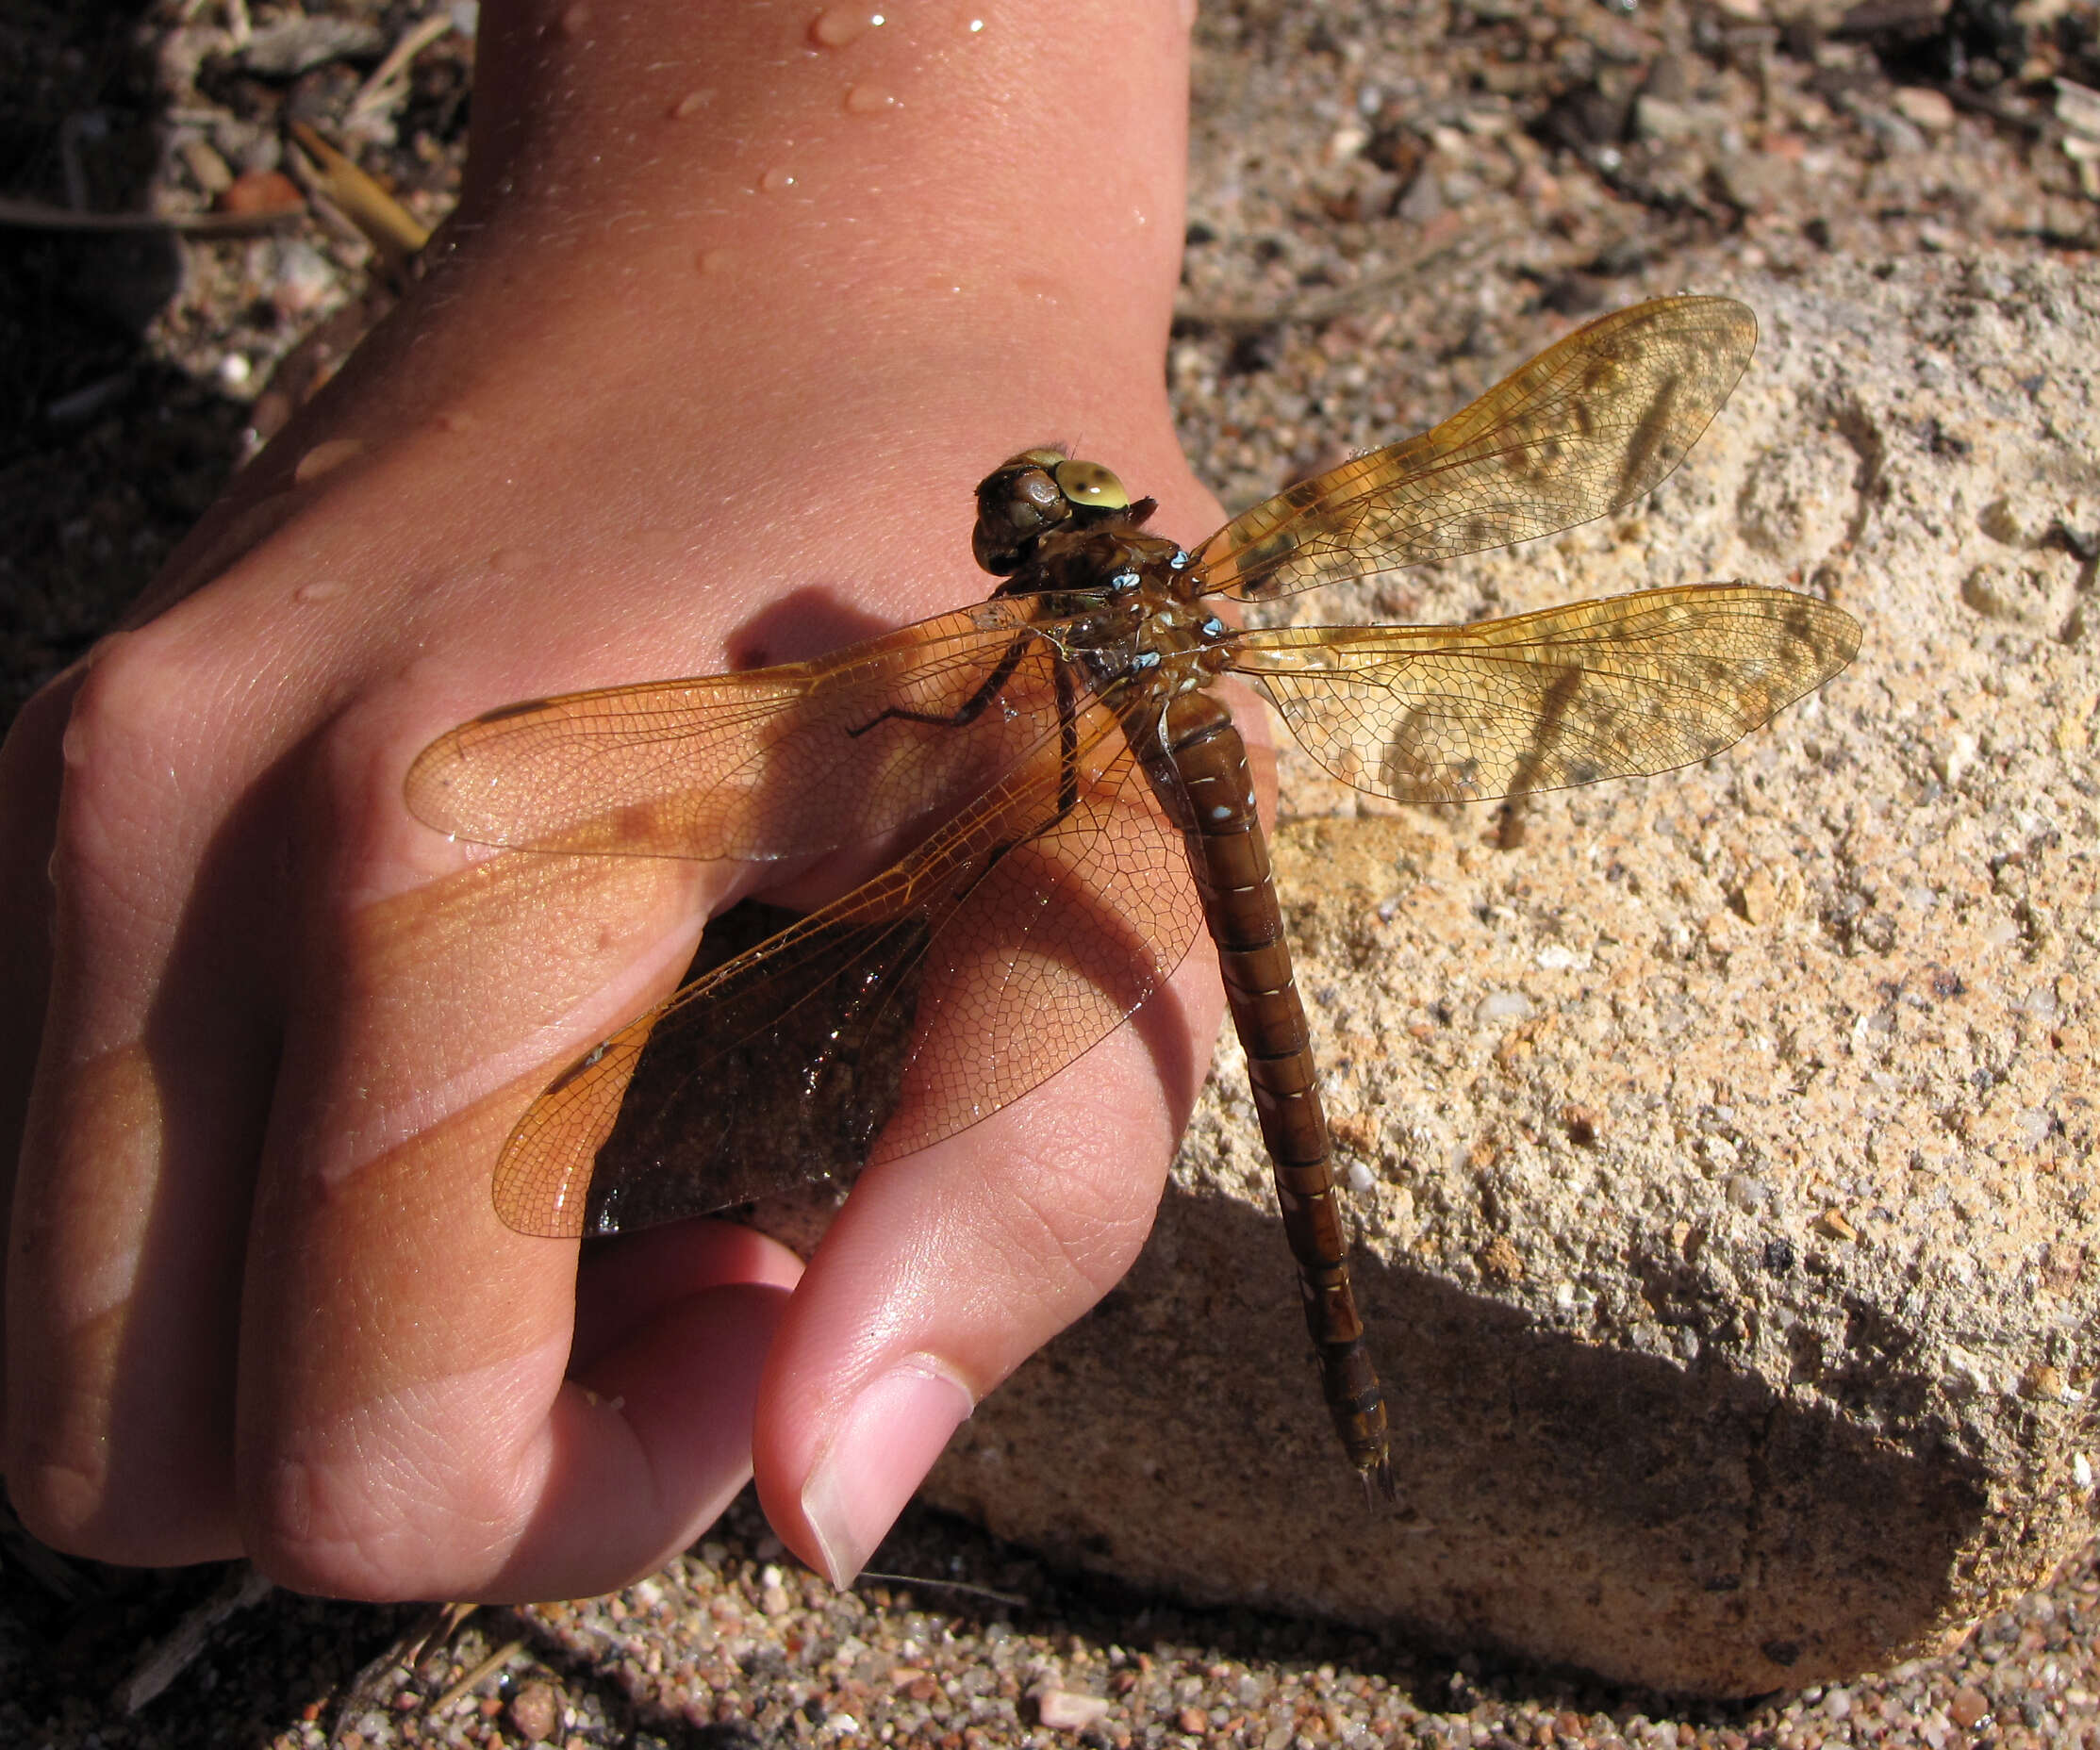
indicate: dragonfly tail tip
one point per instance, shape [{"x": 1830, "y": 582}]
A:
[{"x": 1378, "y": 1483}]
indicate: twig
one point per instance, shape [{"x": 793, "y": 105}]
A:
[
  {"x": 378, "y": 92},
  {"x": 37, "y": 216},
  {"x": 1020, "y": 1601},
  {"x": 174, "y": 1654},
  {"x": 473, "y": 1679}
]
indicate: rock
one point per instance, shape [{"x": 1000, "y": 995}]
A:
[
  {"x": 1068, "y": 1710},
  {"x": 297, "y": 44},
  {"x": 1647, "y": 1422},
  {"x": 535, "y": 1712},
  {"x": 1931, "y": 110}
]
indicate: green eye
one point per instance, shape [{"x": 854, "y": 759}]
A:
[{"x": 1090, "y": 485}]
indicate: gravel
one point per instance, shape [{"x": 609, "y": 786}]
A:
[{"x": 1384, "y": 199}]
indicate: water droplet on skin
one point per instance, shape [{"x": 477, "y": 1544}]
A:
[
  {"x": 838, "y": 25},
  {"x": 451, "y": 419},
  {"x": 72, "y": 745},
  {"x": 691, "y": 104},
  {"x": 716, "y": 260},
  {"x": 975, "y": 26},
  {"x": 326, "y": 590},
  {"x": 776, "y": 181},
  {"x": 324, "y": 458},
  {"x": 869, "y": 99}
]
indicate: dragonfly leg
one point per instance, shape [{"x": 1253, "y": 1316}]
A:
[{"x": 971, "y": 709}]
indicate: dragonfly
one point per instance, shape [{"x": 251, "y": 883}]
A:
[{"x": 1079, "y": 802}]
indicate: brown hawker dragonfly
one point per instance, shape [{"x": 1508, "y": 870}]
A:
[{"x": 1086, "y": 801}]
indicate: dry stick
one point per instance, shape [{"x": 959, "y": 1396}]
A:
[
  {"x": 38, "y": 216},
  {"x": 378, "y": 91},
  {"x": 174, "y": 1654},
  {"x": 487, "y": 1667}
]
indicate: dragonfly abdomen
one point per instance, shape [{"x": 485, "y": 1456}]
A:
[{"x": 1228, "y": 856}]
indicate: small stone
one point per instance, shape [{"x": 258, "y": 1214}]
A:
[
  {"x": 2041, "y": 1383},
  {"x": 303, "y": 280},
  {"x": 1928, "y": 108},
  {"x": 1503, "y": 1005},
  {"x": 2062, "y": 1263},
  {"x": 2079, "y": 108},
  {"x": 1832, "y": 1222},
  {"x": 1069, "y": 1711},
  {"x": 261, "y": 191},
  {"x": 1356, "y": 1133},
  {"x": 1969, "y": 1707},
  {"x": 206, "y": 167},
  {"x": 299, "y": 43},
  {"x": 1500, "y": 1261},
  {"x": 535, "y": 1712}
]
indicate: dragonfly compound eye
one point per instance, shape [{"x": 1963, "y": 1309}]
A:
[
  {"x": 1092, "y": 486},
  {"x": 1018, "y": 502}
]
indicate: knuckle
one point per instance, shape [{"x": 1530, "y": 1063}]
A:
[
  {"x": 127, "y": 749},
  {"x": 362, "y": 833}
]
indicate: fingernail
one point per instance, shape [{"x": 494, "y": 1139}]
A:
[{"x": 882, "y": 1452}]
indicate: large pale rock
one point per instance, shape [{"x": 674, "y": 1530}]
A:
[{"x": 1727, "y": 1199}]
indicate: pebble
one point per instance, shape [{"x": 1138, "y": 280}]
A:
[
  {"x": 1333, "y": 1687},
  {"x": 260, "y": 191},
  {"x": 535, "y": 1712},
  {"x": 1969, "y": 1707},
  {"x": 1928, "y": 108},
  {"x": 1069, "y": 1711}
]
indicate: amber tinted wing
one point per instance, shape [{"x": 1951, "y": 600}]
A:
[
  {"x": 1599, "y": 690},
  {"x": 1587, "y": 427},
  {"x": 1022, "y": 935},
  {"x": 764, "y": 764}
]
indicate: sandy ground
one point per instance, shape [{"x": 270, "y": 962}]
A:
[{"x": 1386, "y": 199}]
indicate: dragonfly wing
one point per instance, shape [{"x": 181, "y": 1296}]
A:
[
  {"x": 803, "y": 757},
  {"x": 1008, "y": 944},
  {"x": 1615, "y": 688},
  {"x": 1588, "y": 427},
  {"x": 1065, "y": 937},
  {"x": 774, "y": 1067}
]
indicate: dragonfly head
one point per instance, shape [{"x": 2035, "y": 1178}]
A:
[{"x": 1027, "y": 496}]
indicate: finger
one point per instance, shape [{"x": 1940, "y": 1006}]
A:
[
  {"x": 30, "y": 767},
  {"x": 945, "y": 1270},
  {"x": 406, "y": 1428},
  {"x": 153, "y": 1071},
  {"x": 417, "y": 1436}
]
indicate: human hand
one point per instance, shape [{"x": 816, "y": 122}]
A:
[{"x": 267, "y": 1033}]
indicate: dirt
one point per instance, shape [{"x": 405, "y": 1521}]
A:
[{"x": 1387, "y": 204}]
